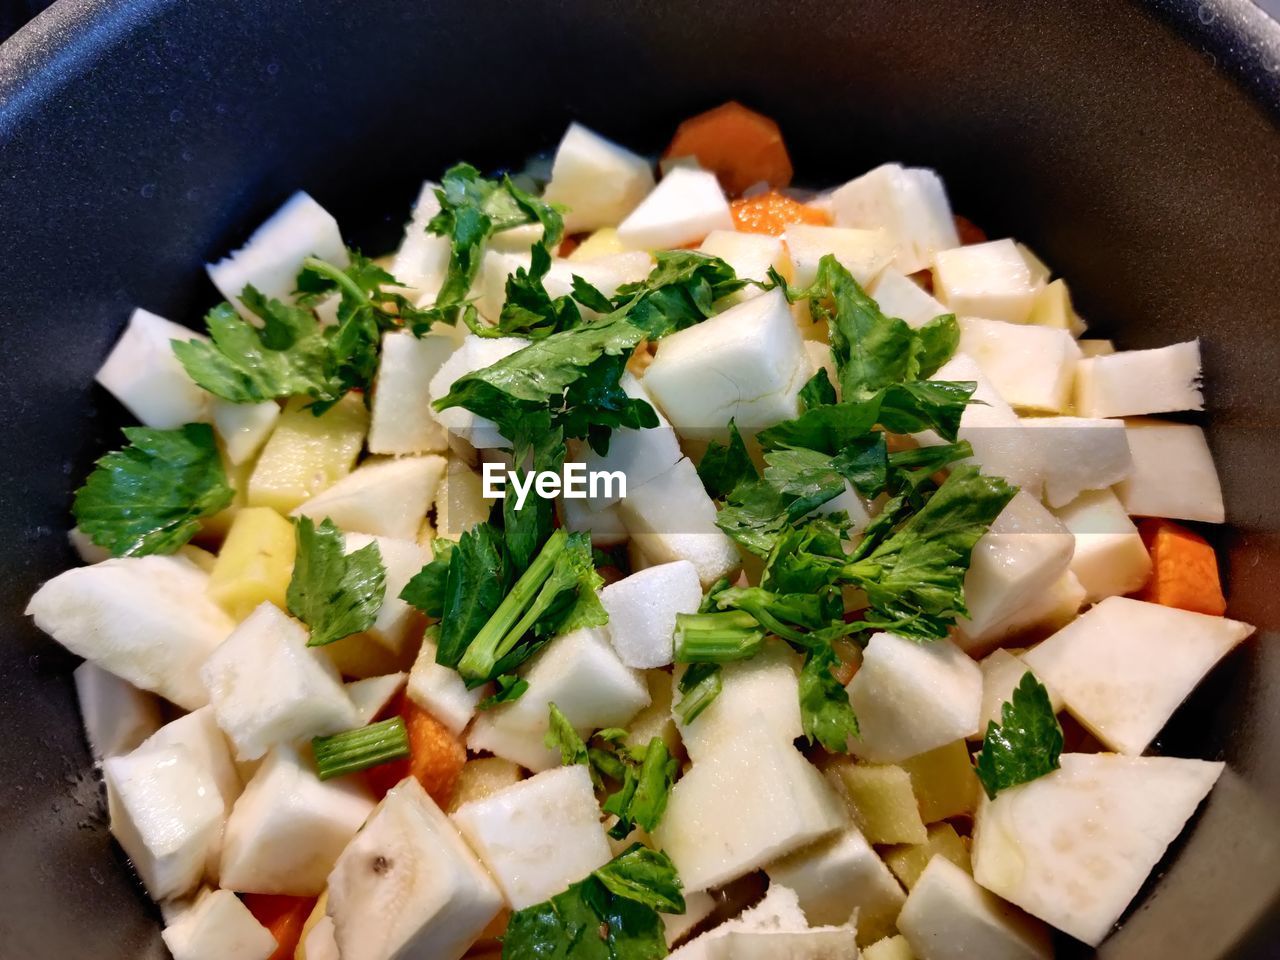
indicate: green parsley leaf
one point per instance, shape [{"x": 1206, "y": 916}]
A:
[
  {"x": 426, "y": 588},
  {"x": 561, "y": 736},
  {"x": 334, "y": 593},
  {"x": 817, "y": 392},
  {"x": 699, "y": 686},
  {"x": 825, "y": 710},
  {"x": 509, "y": 688},
  {"x": 1026, "y": 744},
  {"x": 644, "y": 876},
  {"x": 724, "y": 466},
  {"x": 476, "y": 581}
]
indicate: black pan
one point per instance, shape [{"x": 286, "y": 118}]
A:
[{"x": 1134, "y": 146}]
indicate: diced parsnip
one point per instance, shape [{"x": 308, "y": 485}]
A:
[
  {"x": 597, "y": 180},
  {"x": 1074, "y": 847},
  {"x": 602, "y": 243},
  {"x": 989, "y": 280},
  {"x": 909, "y": 860},
  {"x": 1047, "y": 611},
  {"x": 671, "y": 517},
  {"x": 402, "y": 421},
  {"x": 372, "y": 696},
  {"x": 255, "y": 563},
  {"x": 1032, "y": 367},
  {"x": 1184, "y": 569},
  {"x": 1079, "y": 454},
  {"x": 306, "y": 454},
  {"x": 145, "y": 619},
  {"x": 422, "y": 259},
  {"x": 604, "y": 525},
  {"x": 1052, "y": 308},
  {"x": 779, "y": 910},
  {"x": 949, "y": 917},
  {"x": 1109, "y": 558},
  {"x": 909, "y": 202},
  {"x": 684, "y": 207},
  {"x": 460, "y": 502},
  {"x": 441, "y": 691},
  {"x": 836, "y": 876},
  {"x": 943, "y": 782},
  {"x": 864, "y": 253},
  {"x": 1173, "y": 473},
  {"x": 144, "y": 374},
  {"x": 268, "y": 687},
  {"x": 1096, "y": 348},
  {"x": 1135, "y": 382},
  {"x": 1101, "y": 666},
  {"x": 474, "y": 353},
  {"x": 381, "y": 497},
  {"x": 1002, "y": 671},
  {"x": 880, "y": 800},
  {"x": 656, "y": 719},
  {"x": 218, "y": 927},
  {"x": 911, "y": 697},
  {"x": 270, "y": 261},
  {"x": 117, "y": 715},
  {"x": 395, "y": 625},
  {"x": 639, "y": 455},
  {"x": 752, "y": 799},
  {"x": 890, "y": 948},
  {"x": 900, "y": 296},
  {"x": 482, "y": 777},
  {"x": 436, "y": 757},
  {"x": 539, "y": 835},
  {"x": 642, "y": 611}
]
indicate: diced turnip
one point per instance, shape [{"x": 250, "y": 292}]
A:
[
  {"x": 440, "y": 690},
  {"x": 272, "y": 258},
  {"x": 117, "y": 715},
  {"x": 685, "y": 206},
  {"x": 402, "y": 420},
  {"x": 218, "y": 927},
  {"x": 475, "y": 353},
  {"x": 640, "y": 455},
  {"x": 384, "y": 498},
  {"x": 1031, "y": 367},
  {"x": 900, "y": 296},
  {"x": 604, "y": 524},
  {"x": 1173, "y": 473},
  {"x": 1135, "y": 382},
  {"x": 908, "y": 202},
  {"x": 779, "y": 911},
  {"x": 422, "y": 259},
  {"x": 1109, "y": 558},
  {"x": 372, "y": 695},
  {"x": 1048, "y": 610},
  {"x": 244, "y": 427},
  {"x": 989, "y": 280},
  {"x": 864, "y": 253},
  {"x": 1002, "y": 671},
  {"x": 1125, "y": 665},
  {"x": 198, "y": 733},
  {"x": 268, "y": 687},
  {"x": 642, "y": 611},
  {"x": 597, "y": 180},
  {"x": 144, "y": 373},
  {"x": 145, "y": 619},
  {"x": 822, "y": 943},
  {"x": 1074, "y": 847},
  {"x": 697, "y": 907},
  {"x": 751, "y": 255},
  {"x": 1079, "y": 454},
  {"x": 402, "y": 560}
]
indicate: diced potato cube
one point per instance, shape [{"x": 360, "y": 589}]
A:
[
  {"x": 880, "y": 800},
  {"x": 602, "y": 243},
  {"x": 482, "y": 777},
  {"x": 1173, "y": 473},
  {"x": 255, "y": 563},
  {"x": 908, "y": 860},
  {"x": 1109, "y": 558},
  {"x": 686, "y": 205},
  {"x": 943, "y": 781},
  {"x": 1135, "y": 382},
  {"x": 910, "y": 203},
  {"x": 145, "y": 375},
  {"x": 1032, "y": 367},
  {"x": 989, "y": 280},
  {"x": 306, "y": 454}
]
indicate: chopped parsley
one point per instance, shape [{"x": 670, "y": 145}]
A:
[
  {"x": 1027, "y": 742},
  {"x": 333, "y": 592}
]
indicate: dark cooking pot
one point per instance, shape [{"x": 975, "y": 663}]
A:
[{"x": 1133, "y": 145}]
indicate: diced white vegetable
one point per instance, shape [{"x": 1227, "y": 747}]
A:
[
  {"x": 320, "y": 942},
  {"x": 145, "y": 619},
  {"x": 272, "y": 258},
  {"x": 909, "y": 202},
  {"x": 384, "y": 498},
  {"x": 1109, "y": 557},
  {"x": 441, "y": 691},
  {"x": 144, "y": 374},
  {"x": 402, "y": 420},
  {"x": 1135, "y": 382},
  {"x": 750, "y": 254},
  {"x": 1032, "y": 367},
  {"x": 888, "y": 948},
  {"x": 989, "y": 280},
  {"x": 683, "y": 208},
  {"x": 475, "y": 353},
  {"x": 422, "y": 260},
  {"x": 460, "y": 502},
  {"x": 1079, "y": 454},
  {"x": 1096, "y": 348},
  {"x": 167, "y": 815},
  {"x": 778, "y": 911},
  {"x": 642, "y": 611},
  {"x": 900, "y": 296},
  {"x": 599, "y": 181},
  {"x": 372, "y": 695},
  {"x": 911, "y": 697},
  {"x": 820, "y": 358},
  {"x": 753, "y": 799},
  {"x": 697, "y": 907},
  {"x": 949, "y": 917},
  {"x": 747, "y": 363},
  {"x": 268, "y": 687},
  {"x": 851, "y": 502},
  {"x": 1102, "y": 665},
  {"x": 1074, "y": 847},
  {"x": 117, "y": 715},
  {"x": 218, "y": 927},
  {"x": 583, "y": 677},
  {"x": 864, "y": 253},
  {"x": 640, "y": 455},
  {"x": 1047, "y": 610},
  {"x": 289, "y": 826},
  {"x": 1002, "y": 671},
  {"x": 1173, "y": 473},
  {"x": 199, "y": 734},
  {"x": 408, "y": 886},
  {"x": 606, "y": 274},
  {"x": 537, "y": 836},
  {"x": 244, "y": 427},
  {"x": 604, "y": 525},
  {"x": 1040, "y": 271},
  {"x": 823, "y": 943},
  {"x": 671, "y": 517},
  {"x": 402, "y": 560}
]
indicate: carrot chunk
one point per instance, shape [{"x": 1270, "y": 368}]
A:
[
  {"x": 772, "y": 213},
  {"x": 740, "y": 146},
  {"x": 1184, "y": 569},
  {"x": 283, "y": 916},
  {"x": 435, "y": 756}
]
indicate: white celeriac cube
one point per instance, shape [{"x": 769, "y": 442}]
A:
[
  {"x": 167, "y": 815},
  {"x": 899, "y": 296},
  {"x": 671, "y": 517},
  {"x": 539, "y": 835},
  {"x": 1101, "y": 666},
  {"x": 1110, "y": 558},
  {"x": 911, "y": 697},
  {"x": 697, "y": 907},
  {"x": 578, "y": 672},
  {"x": 598, "y": 181},
  {"x": 1135, "y": 382},
  {"x": 750, "y": 254},
  {"x": 779, "y": 911},
  {"x": 747, "y": 364},
  {"x": 372, "y": 695},
  {"x": 640, "y": 455},
  {"x": 1075, "y": 846},
  {"x": 989, "y": 280},
  {"x": 272, "y": 258},
  {"x": 268, "y": 687},
  {"x": 422, "y": 259},
  {"x": 383, "y": 498},
  {"x": 1079, "y": 454},
  {"x": 642, "y": 611},
  {"x": 474, "y": 353},
  {"x": 908, "y": 202},
  {"x": 440, "y": 690},
  {"x": 199, "y": 734},
  {"x": 408, "y": 885},
  {"x": 819, "y": 943},
  {"x": 218, "y": 927},
  {"x": 288, "y": 828},
  {"x": 117, "y": 715},
  {"x": 604, "y": 524},
  {"x": 751, "y": 800},
  {"x": 402, "y": 421},
  {"x": 949, "y": 917},
  {"x": 402, "y": 560},
  {"x": 820, "y": 358},
  {"x": 148, "y": 620},
  {"x": 1048, "y": 610},
  {"x": 864, "y": 253},
  {"x": 1002, "y": 671},
  {"x": 1032, "y": 367},
  {"x": 145, "y": 375},
  {"x": 1173, "y": 473},
  {"x": 606, "y": 274},
  {"x": 683, "y": 208},
  {"x": 244, "y": 427}
]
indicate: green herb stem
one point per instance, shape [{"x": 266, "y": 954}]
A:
[
  {"x": 717, "y": 637},
  {"x": 360, "y": 749}
]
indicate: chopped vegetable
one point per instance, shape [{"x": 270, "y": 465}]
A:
[
  {"x": 1184, "y": 569},
  {"x": 1026, "y": 744},
  {"x": 740, "y": 146},
  {"x": 360, "y": 749},
  {"x": 334, "y": 593},
  {"x": 773, "y": 212},
  {"x": 436, "y": 756},
  {"x": 717, "y": 637},
  {"x": 283, "y": 916}
]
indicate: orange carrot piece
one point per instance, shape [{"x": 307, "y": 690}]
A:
[
  {"x": 435, "y": 756},
  {"x": 740, "y": 146},
  {"x": 1184, "y": 569},
  {"x": 772, "y": 213},
  {"x": 283, "y": 916}
]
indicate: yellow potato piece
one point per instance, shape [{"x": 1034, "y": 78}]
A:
[
  {"x": 908, "y": 860},
  {"x": 880, "y": 801},
  {"x": 483, "y": 777},
  {"x": 460, "y": 503},
  {"x": 306, "y": 454},
  {"x": 1052, "y": 308},
  {"x": 214, "y": 529},
  {"x": 255, "y": 563},
  {"x": 656, "y": 720},
  {"x": 890, "y": 948},
  {"x": 603, "y": 243},
  {"x": 944, "y": 782}
]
